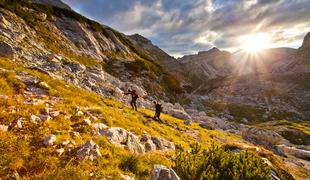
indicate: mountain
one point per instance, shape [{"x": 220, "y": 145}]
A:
[
  {"x": 64, "y": 113},
  {"x": 306, "y": 42},
  {"x": 207, "y": 64},
  {"x": 56, "y": 3}
]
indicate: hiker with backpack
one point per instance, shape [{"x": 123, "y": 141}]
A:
[
  {"x": 158, "y": 110},
  {"x": 134, "y": 97}
]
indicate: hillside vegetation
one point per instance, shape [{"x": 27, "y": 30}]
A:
[{"x": 24, "y": 154}]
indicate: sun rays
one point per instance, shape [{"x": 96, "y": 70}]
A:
[{"x": 255, "y": 43}]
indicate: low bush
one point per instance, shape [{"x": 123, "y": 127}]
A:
[{"x": 219, "y": 163}]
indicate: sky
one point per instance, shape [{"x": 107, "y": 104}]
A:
[{"x": 183, "y": 27}]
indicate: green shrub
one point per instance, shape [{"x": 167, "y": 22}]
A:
[
  {"x": 130, "y": 163},
  {"x": 133, "y": 164},
  {"x": 219, "y": 163}
]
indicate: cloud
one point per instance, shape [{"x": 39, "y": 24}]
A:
[{"x": 182, "y": 27}]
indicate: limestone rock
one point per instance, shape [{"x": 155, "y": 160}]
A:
[
  {"x": 89, "y": 150},
  {"x": 45, "y": 117},
  {"x": 65, "y": 142},
  {"x": 6, "y": 50},
  {"x": 35, "y": 119},
  {"x": 79, "y": 113},
  {"x": 60, "y": 151},
  {"x": 126, "y": 177},
  {"x": 162, "y": 144},
  {"x": 133, "y": 144},
  {"x": 16, "y": 124},
  {"x": 150, "y": 146},
  {"x": 54, "y": 114},
  {"x": 4, "y": 128},
  {"x": 117, "y": 135},
  {"x": 176, "y": 111},
  {"x": 139, "y": 90},
  {"x": 216, "y": 123},
  {"x": 86, "y": 122},
  {"x": 161, "y": 172},
  {"x": 99, "y": 128},
  {"x": 50, "y": 140},
  {"x": 268, "y": 139},
  {"x": 300, "y": 153}
]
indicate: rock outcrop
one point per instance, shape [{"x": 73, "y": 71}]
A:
[
  {"x": 89, "y": 150},
  {"x": 266, "y": 138},
  {"x": 121, "y": 137},
  {"x": 161, "y": 172},
  {"x": 6, "y": 50},
  {"x": 306, "y": 43},
  {"x": 50, "y": 140}
]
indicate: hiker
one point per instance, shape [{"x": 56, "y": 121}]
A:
[
  {"x": 158, "y": 109},
  {"x": 134, "y": 97}
]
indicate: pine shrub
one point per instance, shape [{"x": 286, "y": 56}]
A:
[{"x": 218, "y": 163}]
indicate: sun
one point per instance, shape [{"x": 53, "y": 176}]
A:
[{"x": 255, "y": 43}]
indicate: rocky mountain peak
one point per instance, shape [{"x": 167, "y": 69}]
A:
[
  {"x": 56, "y": 3},
  {"x": 210, "y": 51},
  {"x": 306, "y": 42},
  {"x": 140, "y": 38}
]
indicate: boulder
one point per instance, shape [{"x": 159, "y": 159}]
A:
[
  {"x": 148, "y": 143},
  {"x": 126, "y": 177},
  {"x": 60, "y": 151},
  {"x": 266, "y": 138},
  {"x": 16, "y": 124},
  {"x": 79, "y": 113},
  {"x": 6, "y": 50},
  {"x": 300, "y": 153},
  {"x": 35, "y": 119},
  {"x": 162, "y": 144},
  {"x": 89, "y": 150},
  {"x": 140, "y": 91},
  {"x": 65, "y": 142},
  {"x": 133, "y": 144},
  {"x": 161, "y": 172},
  {"x": 50, "y": 140},
  {"x": 176, "y": 111},
  {"x": 149, "y": 146},
  {"x": 45, "y": 117},
  {"x": 116, "y": 135},
  {"x": 4, "y": 128},
  {"x": 54, "y": 114},
  {"x": 99, "y": 128},
  {"x": 217, "y": 123},
  {"x": 86, "y": 122}
]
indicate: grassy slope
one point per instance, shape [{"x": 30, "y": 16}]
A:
[{"x": 22, "y": 150}]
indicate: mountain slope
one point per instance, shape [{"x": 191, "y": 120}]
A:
[
  {"x": 63, "y": 113},
  {"x": 45, "y": 30},
  {"x": 34, "y": 107}
]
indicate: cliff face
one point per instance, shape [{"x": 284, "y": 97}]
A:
[
  {"x": 207, "y": 65},
  {"x": 306, "y": 42}
]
